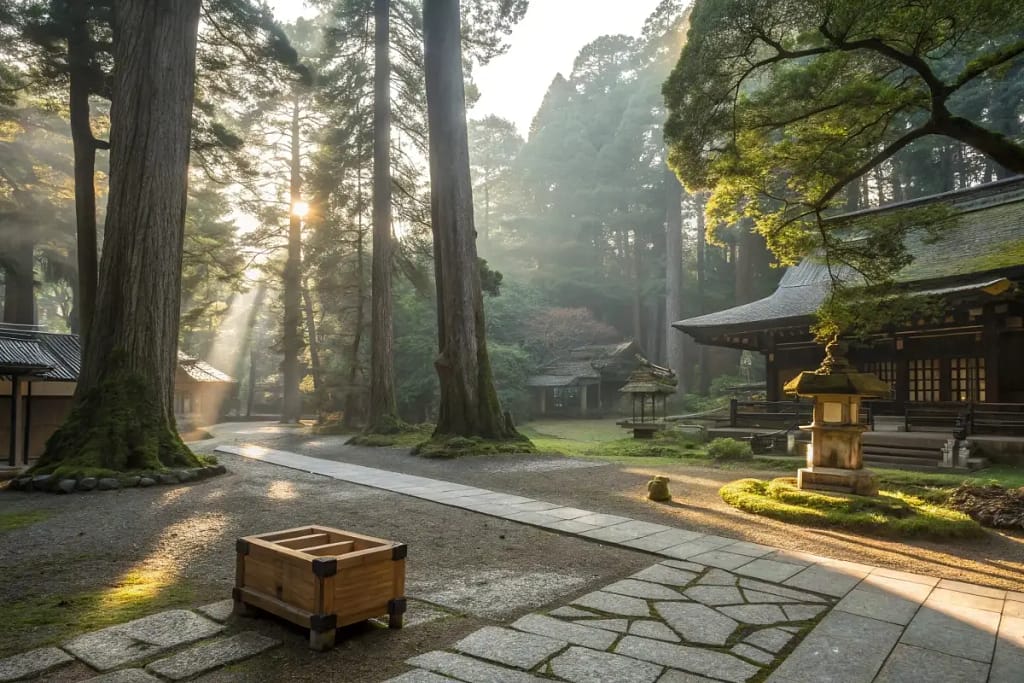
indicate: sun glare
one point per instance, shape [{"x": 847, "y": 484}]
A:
[{"x": 300, "y": 209}]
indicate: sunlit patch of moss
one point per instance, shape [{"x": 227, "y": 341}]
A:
[
  {"x": 891, "y": 513},
  {"x": 10, "y": 521},
  {"x": 410, "y": 437},
  {"x": 52, "y": 618}
]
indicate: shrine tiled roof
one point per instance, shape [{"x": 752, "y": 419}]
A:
[{"x": 983, "y": 241}]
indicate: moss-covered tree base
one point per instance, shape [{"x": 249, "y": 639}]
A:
[
  {"x": 392, "y": 433},
  {"x": 892, "y": 513},
  {"x": 117, "y": 427},
  {"x": 460, "y": 446}
]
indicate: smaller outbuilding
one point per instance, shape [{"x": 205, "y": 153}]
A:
[{"x": 585, "y": 382}]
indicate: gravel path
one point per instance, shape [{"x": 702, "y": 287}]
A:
[{"x": 995, "y": 560}]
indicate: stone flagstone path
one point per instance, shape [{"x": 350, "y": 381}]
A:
[
  {"x": 737, "y": 603},
  {"x": 137, "y": 651}
]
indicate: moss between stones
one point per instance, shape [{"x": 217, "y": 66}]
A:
[
  {"x": 117, "y": 427},
  {"x": 892, "y": 513}
]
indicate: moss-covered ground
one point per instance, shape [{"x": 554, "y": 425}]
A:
[
  {"x": 892, "y": 513},
  {"x": 9, "y": 521},
  {"x": 55, "y": 617}
]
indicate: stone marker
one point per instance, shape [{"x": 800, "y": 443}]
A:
[
  {"x": 32, "y": 663},
  {"x": 208, "y": 656}
]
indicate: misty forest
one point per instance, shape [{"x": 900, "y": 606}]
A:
[{"x": 314, "y": 209}]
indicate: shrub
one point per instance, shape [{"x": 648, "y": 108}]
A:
[{"x": 730, "y": 449}]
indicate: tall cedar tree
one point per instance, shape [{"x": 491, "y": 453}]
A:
[
  {"x": 469, "y": 403},
  {"x": 383, "y": 411},
  {"x": 291, "y": 408},
  {"x": 123, "y": 416}
]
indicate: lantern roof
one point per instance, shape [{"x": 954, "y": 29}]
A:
[{"x": 837, "y": 376}]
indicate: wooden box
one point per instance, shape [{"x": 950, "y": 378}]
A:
[{"x": 321, "y": 579}]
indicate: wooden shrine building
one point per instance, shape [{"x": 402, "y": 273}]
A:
[
  {"x": 586, "y": 382},
  {"x": 39, "y": 374},
  {"x": 972, "y": 356}
]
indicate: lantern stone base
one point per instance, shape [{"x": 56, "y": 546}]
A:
[{"x": 861, "y": 482}]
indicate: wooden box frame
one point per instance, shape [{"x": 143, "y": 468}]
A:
[{"x": 321, "y": 578}]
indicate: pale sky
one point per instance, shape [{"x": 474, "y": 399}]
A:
[{"x": 543, "y": 44}]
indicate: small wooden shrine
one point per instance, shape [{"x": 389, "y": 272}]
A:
[{"x": 646, "y": 385}]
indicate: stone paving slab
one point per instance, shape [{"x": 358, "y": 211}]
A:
[
  {"x": 468, "y": 669},
  {"x": 958, "y": 631},
  {"x": 212, "y": 655},
  {"x": 614, "y": 604},
  {"x": 909, "y": 664},
  {"x": 697, "y": 623},
  {"x": 769, "y": 570},
  {"x": 32, "y": 663},
  {"x": 908, "y": 590},
  {"x": 586, "y": 666},
  {"x": 505, "y": 646},
  {"x": 692, "y": 659},
  {"x": 824, "y": 579},
  {"x": 218, "y": 611},
  {"x": 125, "y": 676},
  {"x": 944, "y": 596},
  {"x": 1008, "y": 661},
  {"x": 123, "y": 644},
  {"x": 575, "y": 633},
  {"x": 879, "y": 606},
  {"x": 844, "y": 648},
  {"x": 421, "y": 676},
  {"x": 643, "y": 589}
]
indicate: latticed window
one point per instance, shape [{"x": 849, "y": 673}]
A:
[
  {"x": 884, "y": 370},
  {"x": 924, "y": 379},
  {"x": 967, "y": 379}
]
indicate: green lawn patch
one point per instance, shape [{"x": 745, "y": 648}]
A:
[
  {"x": 9, "y": 521},
  {"x": 895, "y": 513}
]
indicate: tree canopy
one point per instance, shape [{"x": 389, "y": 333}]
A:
[{"x": 779, "y": 106}]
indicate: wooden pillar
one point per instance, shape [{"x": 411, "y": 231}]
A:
[
  {"x": 583, "y": 400},
  {"x": 27, "y": 438},
  {"x": 990, "y": 342},
  {"x": 17, "y": 423},
  {"x": 543, "y": 400}
]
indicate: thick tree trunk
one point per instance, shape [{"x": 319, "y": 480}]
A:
[
  {"x": 19, "y": 284},
  {"x": 80, "y": 54},
  {"x": 674, "y": 275},
  {"x": 705, "y": 357},
  {"x": 638, "y": 297},
  {"x": 353, "y": 411},
  {"x": 314, "y": 347},
  {"x": 291, "y": 405},
  {"x": 469, "y": 402},
  {"x": 383, "y": 410},
  {"x": 123, "y": 418}
]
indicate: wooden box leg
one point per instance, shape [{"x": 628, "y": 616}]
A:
[
  {"x": 396, "y": 613},
  {"x": 321, "y": 640},
  {"x": 241, "y": 609}
]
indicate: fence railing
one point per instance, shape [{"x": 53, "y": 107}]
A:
[{"x": 947, "y": 416}]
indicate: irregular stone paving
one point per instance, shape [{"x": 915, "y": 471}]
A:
[
  {"x": 857, "y": 623},
  {"x": 113, "y": 649},
  {"x": 677, "y": 620}
]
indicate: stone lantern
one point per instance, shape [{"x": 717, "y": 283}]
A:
[{"x": 835, "y": 459}]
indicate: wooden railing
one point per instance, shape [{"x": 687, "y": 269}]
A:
[{"x": 948, "y": 416}]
